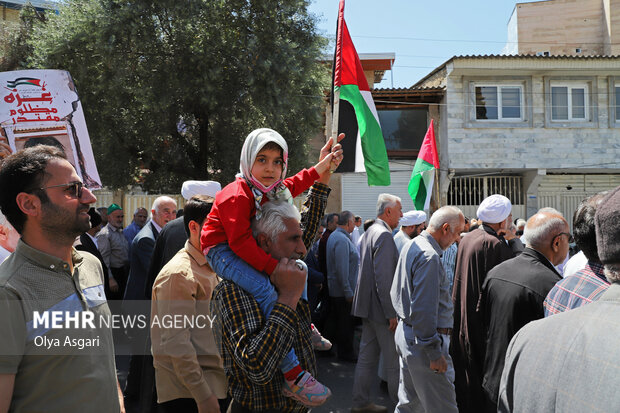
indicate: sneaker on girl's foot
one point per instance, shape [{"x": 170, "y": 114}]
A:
[
  {"x": 306, "y": 390},
  {"x": 319, "y": 342}
]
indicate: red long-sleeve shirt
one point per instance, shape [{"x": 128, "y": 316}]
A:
[{"x": 232, "y": 212}]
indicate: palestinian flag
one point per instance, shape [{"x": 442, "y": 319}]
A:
[
  {"x": 423, "y": 175},
  {"x": 364, "y": 147},
  {"x": 12, "y": 84}
]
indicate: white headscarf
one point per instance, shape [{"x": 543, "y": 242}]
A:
[{"x": 253, "y": 144}]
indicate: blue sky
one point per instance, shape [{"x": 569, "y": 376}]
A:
[{"x": 422, "y": 34}]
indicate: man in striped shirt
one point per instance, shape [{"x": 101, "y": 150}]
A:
[{"x": 588, "y": 284}]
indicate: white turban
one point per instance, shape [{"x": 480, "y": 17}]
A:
[
  {"x": 494, "y": 209},
  {"x": 208, "y": 188},
  {"x": 413, "y": 218}
]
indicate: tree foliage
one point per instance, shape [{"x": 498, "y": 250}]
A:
[{"x": 171, "y": 88}]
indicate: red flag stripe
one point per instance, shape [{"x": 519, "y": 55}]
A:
[
  {"x": 348, "y": 68},
  {"x": 428, "y": 150}
]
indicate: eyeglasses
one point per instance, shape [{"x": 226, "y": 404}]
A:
[
  {"x": 76, "y": 188},
  {"x": 570, "y": 237}
]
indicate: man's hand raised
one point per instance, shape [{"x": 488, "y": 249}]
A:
[{"x": 334, "y": 151}]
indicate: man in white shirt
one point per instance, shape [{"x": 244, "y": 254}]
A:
[
  {"x": 411, "y": 225},
  {"x": 356, "y": 234}
]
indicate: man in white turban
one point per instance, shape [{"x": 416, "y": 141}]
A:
[
  {"x": 479, "y": 251},
  {"x": 411, "y": 224},
  {"x": 206, "y": 188}
]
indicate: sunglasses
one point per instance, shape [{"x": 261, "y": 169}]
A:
[
  {"x": 76, "y": 188},
  {"x": 570, "y": 237}
]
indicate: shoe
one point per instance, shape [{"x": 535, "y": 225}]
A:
[
  {"x": 306, "y": 390},
  {"x": 319, "y": 342},
  {"x": 371, "y": 408}
]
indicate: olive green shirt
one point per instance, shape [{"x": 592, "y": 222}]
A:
[{"x": 60, "y": 365}]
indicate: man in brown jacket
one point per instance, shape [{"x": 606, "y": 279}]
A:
[
  {"x": 479, "y": 251},
  {"x": 189, "y": 374}
]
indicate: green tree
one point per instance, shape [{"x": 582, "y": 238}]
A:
[{"x": 171, "y": 88}]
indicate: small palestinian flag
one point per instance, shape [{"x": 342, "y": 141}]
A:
[
  {"x": 423, "y": 176},
  {"x": 363, "y": 147},
  {"x": 12, "y": 84}
]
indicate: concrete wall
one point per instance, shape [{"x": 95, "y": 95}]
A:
[
  {"x": 613, "y": 25},
  {"x": 512, "y": 42},
  {"x": 561, "y": 26},
  {"x": 536, "y": 142}
]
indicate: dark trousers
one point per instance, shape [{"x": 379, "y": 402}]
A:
[
  {"x": 470, "y": 397},
  {"x": 341, "y": 326},
  {"x": 140, "y": 391},
  {"x": 120, "y": 275}
]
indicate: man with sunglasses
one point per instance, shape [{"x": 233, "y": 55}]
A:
[
  {"x": 44, "y": 199},
  {"x": 588, "y": 283},
  {"x": 514, "y": 291}
]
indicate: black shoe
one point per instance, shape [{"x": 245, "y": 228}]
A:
[{"x": 383, "y": 386}]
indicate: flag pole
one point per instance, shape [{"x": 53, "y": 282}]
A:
[
  {"x": 335, "y": 113},
  {"x": 437, "y": 194},
  {"x": 336, "y": 77}
]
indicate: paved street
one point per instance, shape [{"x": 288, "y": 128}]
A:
[
  {"x": 338, "y": 376},
  {"x": 335, "y": 374}
]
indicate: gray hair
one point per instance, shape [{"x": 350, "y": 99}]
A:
[
  {"x": 272, "y": 219},
  {"x": 549, "y": 210},
  {"x": 612, "y": 272},
  {"x": 139, "y": 208},
  {"x": 386, "y": 201},
  {"x": 3, "y": 220},
  {"x": 344, "y": 217},
  {"x": 536, "y": 237},
  {"x": 160, "y": 200},
  {"x": 450, "y": 215}
]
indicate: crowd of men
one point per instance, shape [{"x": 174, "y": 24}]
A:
[{"x": 454, "y": 314}]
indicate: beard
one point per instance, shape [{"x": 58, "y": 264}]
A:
[{"x": 63, "y": 223}]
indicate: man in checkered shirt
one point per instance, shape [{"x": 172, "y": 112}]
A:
[
  {"x": 589, "y": 283},
  {"x": 252, "y": 346}
]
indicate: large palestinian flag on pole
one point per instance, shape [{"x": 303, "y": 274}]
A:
[
  {"x": 423, "y": 175},
  {"x": 355, "y": 113}
]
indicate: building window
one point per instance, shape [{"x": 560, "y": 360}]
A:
[
  {"x": 569, "y": 102},
  {"x": 403, "y": 129},
  {"x": 499, "y": 102}
]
